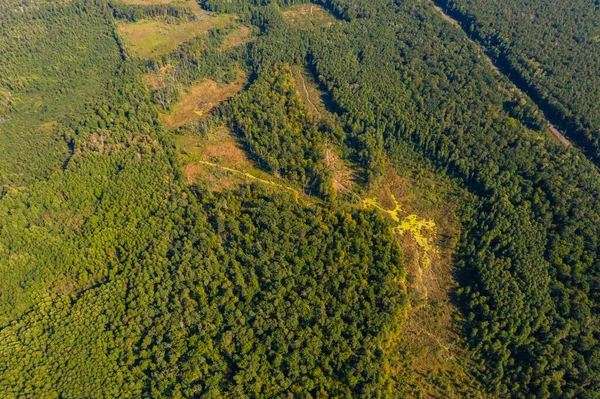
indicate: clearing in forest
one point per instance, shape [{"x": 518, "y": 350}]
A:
[
  {"x": 344, "y": 176},
  {"x": 220, "y": 162},
  {"x": 155, "y": 80},
  {"x": 199, "y": 99},
  {"x": 219, "y": 148},
  {"x": 309, "y": 16},
  {"x": 312, "y": 96},
  {"x": 423, "y": 213},
  {"x": 239, "y": 36},
  {"x": 149, "y": 38}
]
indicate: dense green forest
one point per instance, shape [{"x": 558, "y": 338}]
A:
[
  {"x": 119, "y": 280},
  {"x": 122, "y": 279},
  {"x": 552, "y": 49}
]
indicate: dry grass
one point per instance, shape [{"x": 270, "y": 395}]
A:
[
  {"x": 154, "y": 80},
  {"x": 154, "y": 37},
  {"x": 309, "y": 16},
  {"x": 309, "y": 91},
  {"x": 222, "y": 148},
  {"x": 220, "y": 163},
  {"x": 343, "y": 176},
  {"x": 199, "y": 99},
  {"x": 238, "y": 37}
]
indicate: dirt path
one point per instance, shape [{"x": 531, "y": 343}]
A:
[
  {"x": 560, "y": 136},
  {"x": 308, "y": 95},
  {"x": 252, "y": 177},
  {"x": 455, "y": 22},
  {"x": 444, "y": 15},
  {"x": 555, "y": 132}
]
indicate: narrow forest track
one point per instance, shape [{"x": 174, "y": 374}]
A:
[
  {"x": 308, "y": 96},
  {"x": 553, "y": 129},
  {"x": 559, "y": 136},
  {"x": 253, "y": 177}
]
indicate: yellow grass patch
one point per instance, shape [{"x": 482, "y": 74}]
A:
[
  {"x": 153, "y": 37},
  {"x": 199, "y": 99},
  {"x": 427, "y": 228},
  {"x": 309, "y": 16}
]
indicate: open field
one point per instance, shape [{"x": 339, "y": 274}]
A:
[
  {"x": 154, "y": 37},
  {"x": 199, "y": 99},
  {"x": 220, "y": 163},
  {"x": 309, "y": 16}
]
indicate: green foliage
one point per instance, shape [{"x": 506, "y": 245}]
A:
[
  {"x": 199, "y": 58},
  {"x": 136, "y": 12},
  {"x": 244, "y": 6},
  {"x": 79, "y": 44},
  {"x": 120, "y": 280},
  {"x": 277, "y": 129},
  {"x": 287, "y": 305},
  {"x": 552, "y": 49},
  {"x": 528, "y": 256}
]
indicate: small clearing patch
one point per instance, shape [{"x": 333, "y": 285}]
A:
[
  {"x": 154, "y": 37},
  {"x": 155, "y": 80},
  {"x": 309, "y": 16},
  {"x": 220, "y": 147},
  {"x": 238, "y": 37},
  {"x": 309, "y": 91},
  {"x": 344, "y": 177},
  {"x": 199, "y": 99},
  {"x": 559, "y": 136}
]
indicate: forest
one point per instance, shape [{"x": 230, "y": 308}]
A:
[
  {"x": 552, "y": 49},
  {"x": 124, "y": 275}
]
